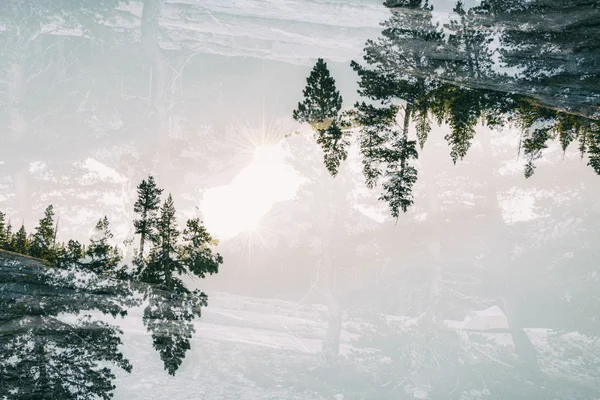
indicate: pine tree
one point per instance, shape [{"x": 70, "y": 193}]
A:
[
  {"x": 556, "y": 47},
  {"x": 9, "y": 237},
  {"x": 20, "y": 243},
  {"x": 103, "y": 258},
  {"x": 196, "y": 254},
  {"x": 42, "y": 243},
  {"x": 42, "y": 354},
  {"x": 69, "y": 254},
  {"x": 402, "y": 68},
  {"x": 146, "y": 206},
  {"x": 386, "y": 151},
  {"x": 321, "y": 109},
  {"x": 322, "y": 101},
  {"x": 3, "y": 233},
  {"x": 172, "y": 306},
  {"x": 163, "y": 262}
]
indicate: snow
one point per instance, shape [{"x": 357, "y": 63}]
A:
[
  {"x": 490, "y": 318},
  {"x": 294, "y": 31},
  {"x": 102, "y": 171}
]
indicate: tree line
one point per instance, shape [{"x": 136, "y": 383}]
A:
[
  {"x": 420, "y": 72},
  {"x": 44, "y": 356}
]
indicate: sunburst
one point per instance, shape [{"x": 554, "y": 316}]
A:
[{"x": 263, "y": 180}]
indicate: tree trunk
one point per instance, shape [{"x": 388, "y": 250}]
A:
[
  {"x": 40, "y": 352},
  {"x": 19, "y": 128},
  {"x": 524, "y": 348},
  {"x": 331, "y": 344},
  {"x": 160, "y": 72},
  {"x": 434, "y": 246},
  {"x": 501, "y": 241}
]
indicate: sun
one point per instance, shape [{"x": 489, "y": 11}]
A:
[{"x": 238, "y": 206}]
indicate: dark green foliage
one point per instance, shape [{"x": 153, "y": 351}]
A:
[
  {"x": 43, "y": 239},
  {"x": 69, "y": 254},
  {"x": 334, "y": 142},
  {"x": 146, "y": 206},
  {"x": 169, "y": 318},
  {"x": 556, "y": 46},
  {"x": 376, "y": 124},
  {"x": 594, "y": 150},
  {"x": 70, "y": 358},
  {"x": 322, "y": 101},
  {"x": 172, "y": 307},
  {"x": 386, "y": 152},
  {"x": 103, "y": 258},
  {"x": 8, "y": 244},
  {"x": 453, "y": 79},
  {"x": 401, "y": 68},
  {"x": 196, "y": 253},
  {"x": 20, "y": 242},
  {"x": 45, "y": 356},
  {"x": 4, "y": 234},
  {"x": 397, "y": 190},
  {"x": 321, "y": 108},
  {"x": 162, "y": 261}
]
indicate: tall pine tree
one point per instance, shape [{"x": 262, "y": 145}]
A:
[
  {"x": 172, "y": 307},
  {"x": 401, "y": 74},
  {"x": 42, "y": 242},
  {"x": 103, "y": 258},
  {"x": 3, "y": 232},
  {"x": 146, "y": 207},
  {"x": 20, "y": 242},
  {"x": 46, "y": 356},
  {"x": 321, "y": 108}
]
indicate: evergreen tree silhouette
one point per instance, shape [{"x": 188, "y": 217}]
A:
[
  {"x": 44, "y": 356},
  {"x": 172, "y": 307},
  {"x": 20, "y": 242},
  {"x": 321, "y": 108},
  {"x": 146, "y": 207},
  {"x": 103, "y": 258},
  {"x": 4, "y": 239},
  {"x": 43, "y": 238}
]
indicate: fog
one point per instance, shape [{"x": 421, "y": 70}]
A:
[{"x": 487, "y": 287}]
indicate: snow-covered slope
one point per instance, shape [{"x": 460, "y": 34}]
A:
[{"x": 295, "y": 31}]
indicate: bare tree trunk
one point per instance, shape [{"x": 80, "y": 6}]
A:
[
  {"x": 524, "y": 348},
  {"x": 512, "y": 298},
  {"x": 160, "y": 73},
  {"x": 19, "y": 128},
  {"x": 331, "y": 344},
  {"x": 434, "y": 245}
]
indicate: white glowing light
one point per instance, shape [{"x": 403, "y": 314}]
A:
[{"x": 238, "y": 207}]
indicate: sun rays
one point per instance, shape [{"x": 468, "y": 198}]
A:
[{"x": 235, "y": 209}]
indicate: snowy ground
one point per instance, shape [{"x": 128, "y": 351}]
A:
[{"x": 242, "y": 344}]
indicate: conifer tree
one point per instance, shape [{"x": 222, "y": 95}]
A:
[
  {"x": 103, "y": 258},
  {"x": 321, "y": 109},
  {"x": 42, "y": 243},
  {"x": 146, "y": 206},
  {"x": 386, "y": 151},
  {"x": 3, "y": 234},
  {"x": 400, "y": 75},
  {"x": 8, "y": 244},
  {"x": 196, "y": 253},
  {"x": 172, "y": 307},
  {"x": 71, "y": 253},
  {"x": 322, "y": 101},
  {"x": 20, "y": 242},
  {"x": 163, "y": 263},
  {"x": 44, "y": 356}
]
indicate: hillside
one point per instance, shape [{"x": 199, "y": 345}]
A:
[{"x": 247, "y": 348}]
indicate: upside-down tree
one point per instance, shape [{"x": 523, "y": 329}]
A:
[{"x": 172, "y": 306}]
